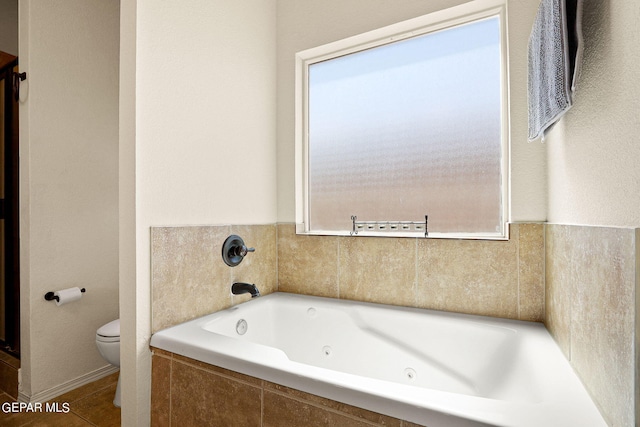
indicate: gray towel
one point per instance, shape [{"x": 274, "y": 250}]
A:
[{"x": 555, "y": 54}]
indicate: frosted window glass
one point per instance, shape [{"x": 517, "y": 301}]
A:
[{"x": 407, "y": 129}]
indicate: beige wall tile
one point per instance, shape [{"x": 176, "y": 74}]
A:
[
  {"x": 531, "y": 280},
  {"x": 258, "y": 267},
  {"x": 591, "y": 281},
  {"x": 376, "y": 269},
  {"x": 603, "y": 318},
  {"x": 188, "y": 277},
  {"x": 307, "y": 264},
  {"x": 469, "y": 276},
  {"x": 495, "y": 278},
  {"x": 558, "y": 279}
]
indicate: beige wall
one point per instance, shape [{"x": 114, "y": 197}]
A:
[
  {"x": 68, "y": 185},
  {"x": 198, "y": 142},
  {"x": 594, "y": 151}
]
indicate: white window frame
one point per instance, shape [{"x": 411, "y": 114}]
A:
[{"x": 432, "y": 22}]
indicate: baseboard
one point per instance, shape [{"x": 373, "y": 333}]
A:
[{"x": 46, "y": 395}]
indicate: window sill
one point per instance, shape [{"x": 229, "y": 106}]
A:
[{"x": 300, "y": 230}]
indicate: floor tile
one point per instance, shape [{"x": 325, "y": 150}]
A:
[
  {"x": 88, "y": 406},
  {"x": 87, "y": 389},
  {"x": 57, "y": 420},
  {"x": 98, "y": 408}
]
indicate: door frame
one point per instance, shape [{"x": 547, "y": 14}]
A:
[{"x": 10, "y": 207}]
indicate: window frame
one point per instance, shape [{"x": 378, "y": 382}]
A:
[{"x": 436, "y": 21}]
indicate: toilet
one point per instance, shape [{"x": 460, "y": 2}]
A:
[{"x": 108, "y": 343}]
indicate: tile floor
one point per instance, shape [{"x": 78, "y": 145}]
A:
[{"x": 89, "y": 405}]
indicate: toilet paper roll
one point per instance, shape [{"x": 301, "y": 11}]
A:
[{"x": 68, "y": 295}]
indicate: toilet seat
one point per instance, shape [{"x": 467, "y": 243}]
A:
[
  {"x": 109, "y": 332},
  {"x": 107, "y": 339}
]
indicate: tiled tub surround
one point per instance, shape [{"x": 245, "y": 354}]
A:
[
  {"x": 189, "y": 278},
  {"x": 591, "y": 311},
  {"x": 492, "y": 278},
  {"x": 503, "y": 279}
]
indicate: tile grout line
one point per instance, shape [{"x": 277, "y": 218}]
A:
[
  {"x": 518, "y": 254},
  {"x": 71, "y": 411},
  {"x": 327, "y": 408},
  {"x": 214, "y": 372},
  {"x": 416, "y": 281},
  {"x": 171, "y": 385},
  {"x": 262, "y": 404},
  {"x": 544, "y": 274},
  {"x": 338, "y": 240},
  {"x": 85, "y": 396}
]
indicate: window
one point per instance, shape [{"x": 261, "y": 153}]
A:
[{"x": 403, "y": 130}]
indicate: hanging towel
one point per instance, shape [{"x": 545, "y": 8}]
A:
[{"x": 555, "y": 54}]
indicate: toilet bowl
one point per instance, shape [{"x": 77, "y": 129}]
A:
[{"x": 108, "y": 343}]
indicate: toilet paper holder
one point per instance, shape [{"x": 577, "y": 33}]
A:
[{"x": 50, "y": 296}]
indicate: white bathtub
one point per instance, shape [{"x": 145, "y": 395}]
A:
[{"x": 429, "y": 367}]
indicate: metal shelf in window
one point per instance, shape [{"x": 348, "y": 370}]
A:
[{"x": 390, "y": 226}]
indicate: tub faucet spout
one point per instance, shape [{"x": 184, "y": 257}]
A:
[{"x": 244, "y": 288}]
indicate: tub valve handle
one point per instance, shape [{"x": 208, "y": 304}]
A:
[
  {"x": 242, "y": 250},
  {"x": 234, "y": 250}
]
